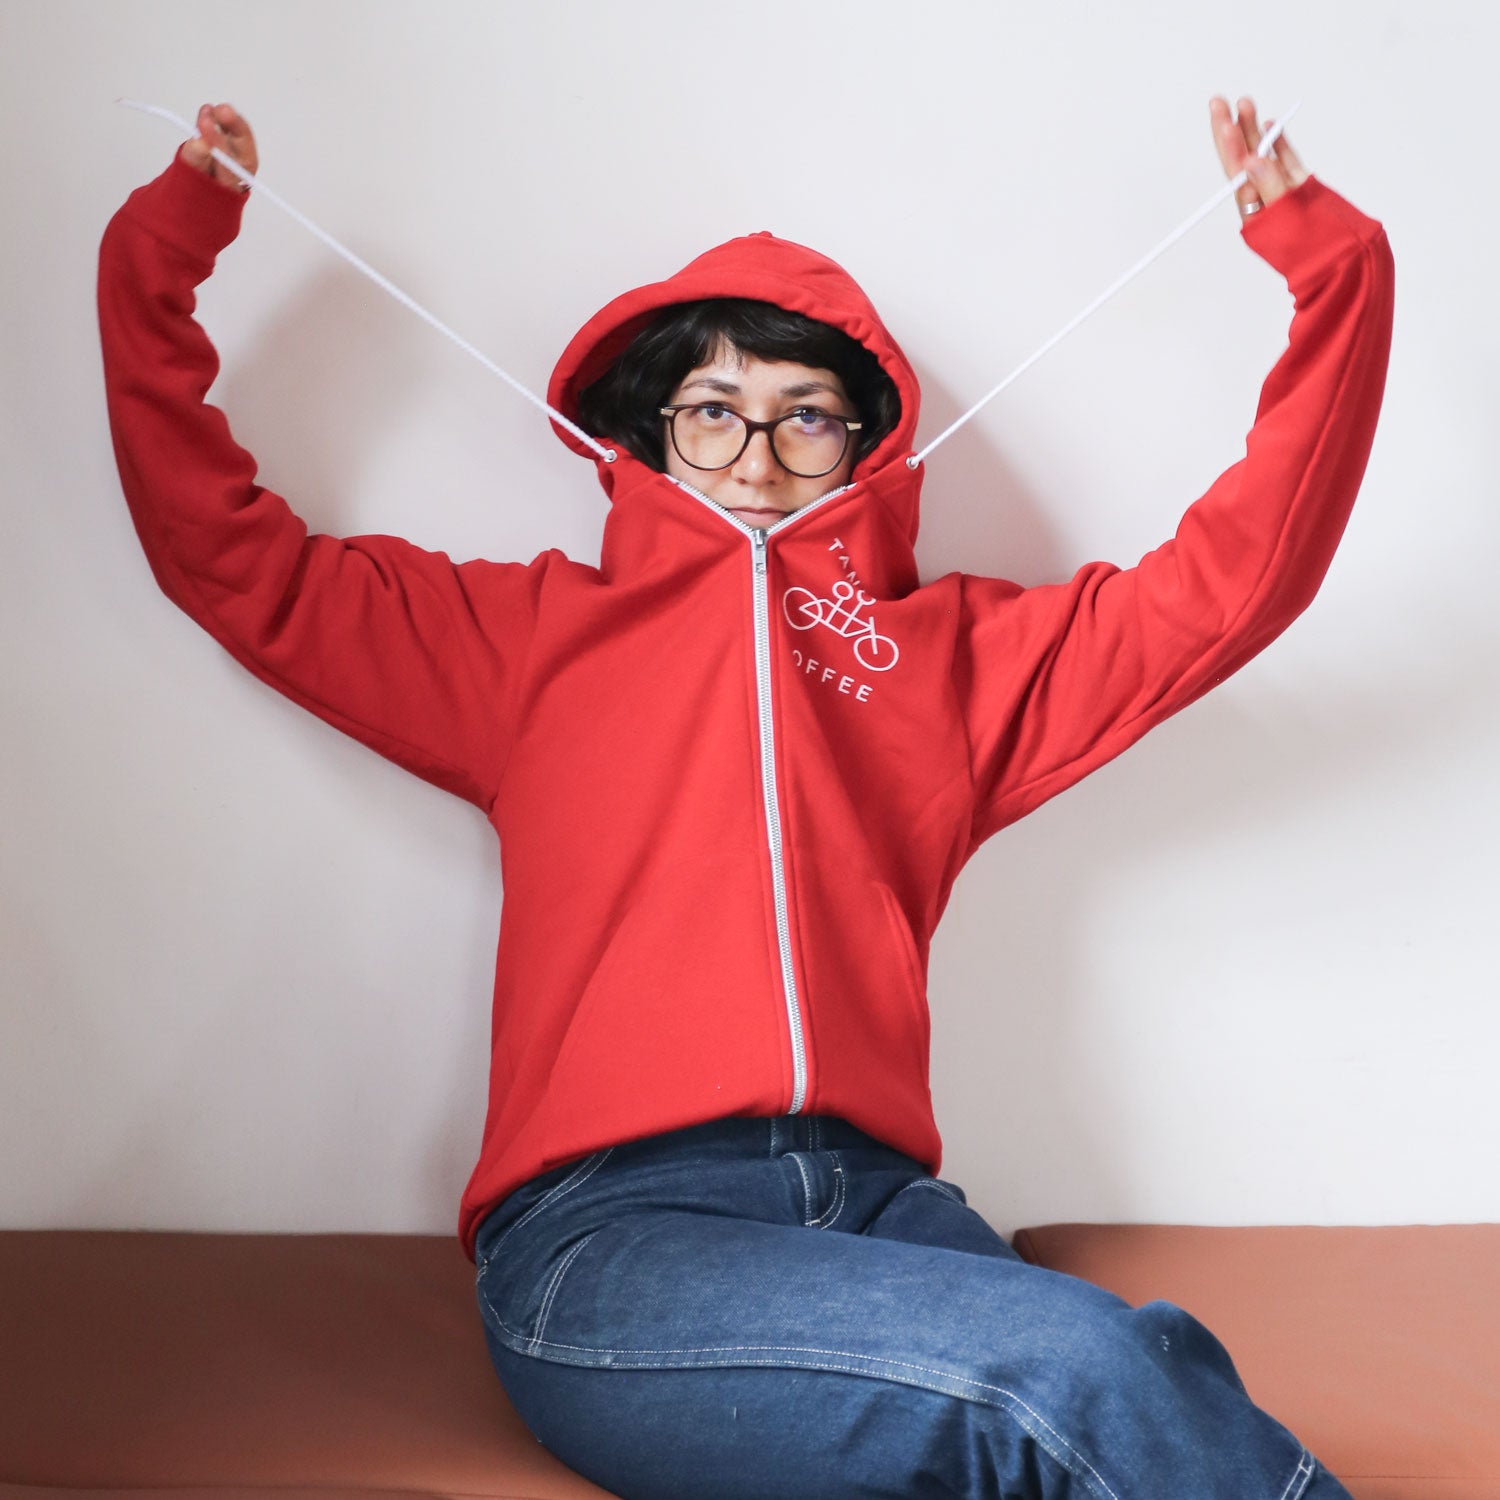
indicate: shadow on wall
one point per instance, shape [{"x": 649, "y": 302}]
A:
[
  {"x": 315, "y": 392},
  {"x": 996, "y": 527},
  {"x": 314, "y": 395},
  {"x": 1230, "y": 764}
]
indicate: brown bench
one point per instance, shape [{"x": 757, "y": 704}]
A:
[
  {"x": 1378, "y": 1347},
  {"x": 234, "y": 1365}
]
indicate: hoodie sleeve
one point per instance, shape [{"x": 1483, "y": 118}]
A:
[
  {"x": 401, "y": 648},
  {"x": 1057, "y": 680}
]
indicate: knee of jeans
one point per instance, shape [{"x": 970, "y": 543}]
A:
[
  {"x": 1156, "y": 1360},
  {"x": 1176, "y": 1339}
]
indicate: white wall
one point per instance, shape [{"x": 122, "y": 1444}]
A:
[{"x": 1245, "y": 974}]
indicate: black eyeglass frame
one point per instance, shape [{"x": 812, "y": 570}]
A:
[{"x": 751, "y": 428}]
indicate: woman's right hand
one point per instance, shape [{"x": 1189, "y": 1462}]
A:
[
  {"x": 1238, "y": 136},
  {"x": 223, "y": 126}
]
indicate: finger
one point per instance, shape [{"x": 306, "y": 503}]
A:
[
  {"x": 1290, "y": 162},
  {"x": 1229, "y": 140},
  {"x": 229, "y": 133},
  {"x": 1285, "y": 171},
  {"x": 1235, "y": 153},
  {"x": 1245, "y": 111},
  {"x": 1266, "y": 175},
  {"x": 195, "y": 150},
  {"x": 1269, "y": 185},
  {"x": 237, "y": 132},
  {"x": 211, "y": 134}
]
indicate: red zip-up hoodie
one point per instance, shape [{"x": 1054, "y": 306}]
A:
[{"x": 734, "y": 773}]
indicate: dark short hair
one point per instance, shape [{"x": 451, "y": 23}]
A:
[{"x": 624, "y": 403}]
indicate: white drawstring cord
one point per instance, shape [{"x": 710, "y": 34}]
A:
[
  {"x": 607, "y": 454},
  {"x": 1267, "y": 141}
]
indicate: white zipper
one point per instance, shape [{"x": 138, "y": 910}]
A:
[
  {"x": 761, "y": 616},
  {"x": 773, "y": 816}
]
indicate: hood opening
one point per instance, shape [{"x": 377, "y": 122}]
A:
[{"x": 757, "y": 267}]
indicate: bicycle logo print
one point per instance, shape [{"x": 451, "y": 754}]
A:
[{"x": 804, "y": 609}]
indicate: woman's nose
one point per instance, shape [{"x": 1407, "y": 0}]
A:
[{"x": 758, "y": 463}]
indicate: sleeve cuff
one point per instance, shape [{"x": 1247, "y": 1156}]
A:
[
  {"x": 1307, "y": 231},
  {"x": 189, "y": 210}
]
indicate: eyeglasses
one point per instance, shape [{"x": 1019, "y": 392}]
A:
[{"x": 807, "y": 442}]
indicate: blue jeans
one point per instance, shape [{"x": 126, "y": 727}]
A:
[{"x": 767, "y": 1308}]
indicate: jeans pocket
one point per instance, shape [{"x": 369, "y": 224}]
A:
[
  {"x": 518, "y": 1292},
  {"x": 520, "y": 1273},
  {"x": 554, "y": 1286}
]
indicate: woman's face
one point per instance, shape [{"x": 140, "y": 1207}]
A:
[{"x": 755, "y": 487}]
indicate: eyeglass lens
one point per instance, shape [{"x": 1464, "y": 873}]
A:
[{"x": 805, "y": 443}]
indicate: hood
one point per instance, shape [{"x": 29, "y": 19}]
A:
[{"x": 759, "y": 266}]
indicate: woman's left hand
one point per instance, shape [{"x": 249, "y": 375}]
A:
[
  {"x": 222, "y": 125},
  {"x": 1237, "y": 136}
]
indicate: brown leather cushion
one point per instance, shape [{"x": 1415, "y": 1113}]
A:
[
  {"x": 214, "y": 1364},
  {"x": 1379, "y": 1348}
]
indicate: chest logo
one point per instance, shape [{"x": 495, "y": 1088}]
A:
[{"x": 841, "y": 614}]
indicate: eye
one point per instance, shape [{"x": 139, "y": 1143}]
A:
[
  {"x": 808, "y": 419},
  {"x": 712, "y": 414}
]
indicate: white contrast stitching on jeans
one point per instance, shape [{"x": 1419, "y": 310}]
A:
[
  {"x": 1305, "y": 1463},
  {"x": 579, "y": 1175},
  {"x": 834, "y": 1209},
  {"x": 568, "y": 1259},
  {"x": 935, "y": 1185},
  {"x": 741, "y": 1349},
  {"x": 806, "y": 1191}
]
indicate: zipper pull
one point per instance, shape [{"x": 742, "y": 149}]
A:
[{"x": 758, "y": 543}]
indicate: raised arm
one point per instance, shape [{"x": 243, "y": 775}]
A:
[
  {"x": 410, "y": 653},
  {"x": 1057, "y": 680}
]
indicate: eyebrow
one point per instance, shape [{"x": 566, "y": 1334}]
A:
[{"x": 729, "y": 388}]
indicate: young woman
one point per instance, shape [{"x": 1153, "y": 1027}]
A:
[{"x": 735, "y": 770}]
